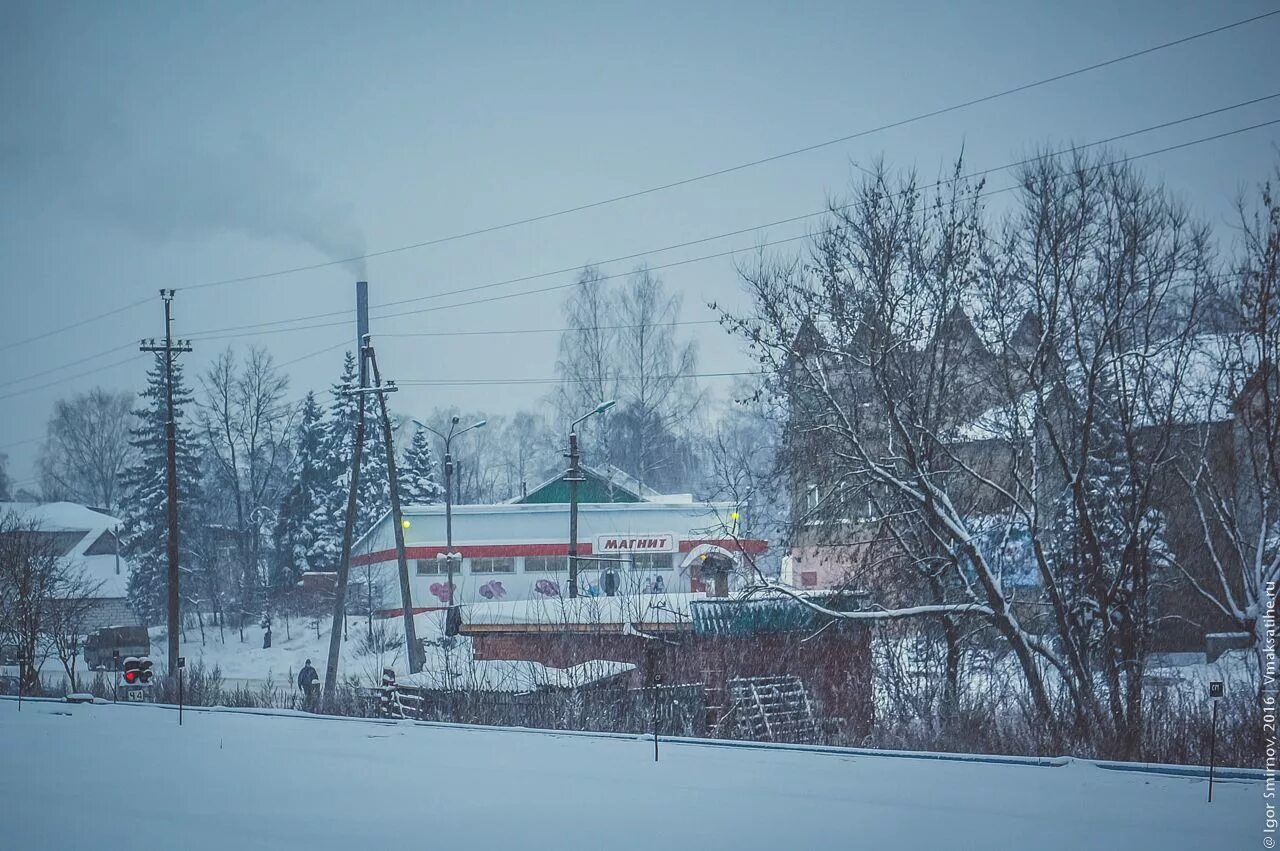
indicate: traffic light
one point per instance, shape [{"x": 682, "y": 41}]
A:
[
  {"x": 137, "y": 672},
  {"x": 132, "y": 670}
]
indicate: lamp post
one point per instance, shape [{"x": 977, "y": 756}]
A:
[
  {"x": 573, "y": 477},
  {"x": 449, "y": 556}
]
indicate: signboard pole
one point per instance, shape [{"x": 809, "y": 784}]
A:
[
  {"x": 1216, "y": 692},
  {"x": 182, "y": 663}
]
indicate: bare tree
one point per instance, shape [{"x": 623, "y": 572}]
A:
[
  {"x": 621, "y": 343},
  {"x": 73, "y": 602},
  {"x": 1235, "y": 477},
  {"x": 43, "y": 597},
  {"x": 86, "y": 448},
  {"x": 996, "y": 404},
  {"x": 245, "y": 424}
]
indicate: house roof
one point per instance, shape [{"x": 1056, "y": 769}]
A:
[
  {"x": 608, "y": 614},
  {"x": 103, "y": 567},
  {"x": 613, "y": 483}
]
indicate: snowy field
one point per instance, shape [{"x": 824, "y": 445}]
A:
[{"x": 127, "y": 777}]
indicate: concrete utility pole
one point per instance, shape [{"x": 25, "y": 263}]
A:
[
  {"x": 170, "y": 347},
  {"x": 397, "y": 518},
  {"x": 574, "y": 476}
]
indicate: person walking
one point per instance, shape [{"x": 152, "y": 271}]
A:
[{"x": 309, "y": 684}]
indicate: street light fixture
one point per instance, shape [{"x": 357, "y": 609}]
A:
[
  {"x": 573, "y": 477},
  {"x": 451, "y": 617}
]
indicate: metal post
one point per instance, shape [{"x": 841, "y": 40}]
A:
[
  {"x": 362, "y": 328},
  {"x": 574, "y": 477},
  {"x": 179, "y": 697},
  {"x": 448, "y": 525},
  {"x": 1213, "y": 736}
]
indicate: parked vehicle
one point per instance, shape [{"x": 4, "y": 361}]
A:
[{"x": 101, "y": 645}]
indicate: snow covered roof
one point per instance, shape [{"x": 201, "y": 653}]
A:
[
  {"x": 515, "y": 676},
  {"x": 100, "y": 563},
  {"x": 623, "y": 611}
]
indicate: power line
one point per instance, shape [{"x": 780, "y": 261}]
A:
[
  {"x": 75, "y": 325},
  {"x": 463, "y": 382},
  {"x": 672, "y": 264},
  {"x": 68, "y": 365},
  {"x": 681, "y": 182},
  {"x": 272, "y": 324},
  {"x": 23, "y": 392},
  {"x": 752, "y": 163},
  {"x": 502, "y": 331}
]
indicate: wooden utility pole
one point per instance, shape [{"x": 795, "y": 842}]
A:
[
  {"x": 397, "y": 518},
  {"x": 170, "y": 347}
]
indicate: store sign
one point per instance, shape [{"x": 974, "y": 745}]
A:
[{"x": 664, "y": 542}]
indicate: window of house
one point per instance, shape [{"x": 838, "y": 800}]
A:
[
  {"x": 545, "y": 564},
  {"x": 811, "y": 499},
  {"x": 504, "y": 564},
  {"x": 431, "y": 566}
]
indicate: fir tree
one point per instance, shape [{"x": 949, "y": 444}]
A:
[
  {"x": 301, "y": 522},
  {"x": 418, "y": 483},
  {"x": 145, "y": 533},
  {"x": 374, "y": 496}
]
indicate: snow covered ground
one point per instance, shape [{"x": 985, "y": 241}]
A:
[{"x": 127, "y": 777}]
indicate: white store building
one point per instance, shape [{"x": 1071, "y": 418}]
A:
[{"x": 519, "y": 550}]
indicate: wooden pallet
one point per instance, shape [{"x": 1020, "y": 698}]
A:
[{"x": 773, "y": 709}]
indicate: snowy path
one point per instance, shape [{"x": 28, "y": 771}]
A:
[{"x": 72, "y": 776}]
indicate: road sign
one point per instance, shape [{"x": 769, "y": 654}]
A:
[
  {"x": 135, "y": 695},
  {"x": 1216, "y": 690},
  {"x": 182, "y": 661}
]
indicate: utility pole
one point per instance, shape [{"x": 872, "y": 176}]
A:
[
  {"x": 344, "y": 565},
  {"x": 573, "y": 477},
  {"x": 397, "y": 518},
  {"x": 170, "y": 347}
]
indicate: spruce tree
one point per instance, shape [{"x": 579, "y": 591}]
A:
[
  {"x": 145, "y": 533},
  {"x": 418, "y": 483},
  {"x": 374, "y": 496},
  {"x": 300, "y": 523}
]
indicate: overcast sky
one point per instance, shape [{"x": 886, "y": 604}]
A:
[{"x": 169, "y": 145}]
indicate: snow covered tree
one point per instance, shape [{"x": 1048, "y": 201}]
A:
[
  {"x": 145, "y": 533},
  {"x": 418, "y": 482},
  {"x": 300, "y": 521}
]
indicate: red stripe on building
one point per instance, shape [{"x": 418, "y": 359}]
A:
[
  {"x": 512, "y": 550},
  {"x": 477, "y": 551}
]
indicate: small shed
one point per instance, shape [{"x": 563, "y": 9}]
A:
[{"x": 695, "y": 639}]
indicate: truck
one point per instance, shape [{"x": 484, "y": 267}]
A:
[{"x": 106, "y": 648}]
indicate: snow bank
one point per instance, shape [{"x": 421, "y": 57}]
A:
[{"x": 76, "y": 777}]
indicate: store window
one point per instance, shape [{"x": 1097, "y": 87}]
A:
[
  {"x": 492, "y": 565},
  {"x": 545, "y": 564}
]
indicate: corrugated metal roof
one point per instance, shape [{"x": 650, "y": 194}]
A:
[{"x": 746, "y": 617}]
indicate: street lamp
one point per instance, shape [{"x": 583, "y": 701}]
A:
[
  {"x": 450, "y": 555},
  {"x": 574, "y": 476}
]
